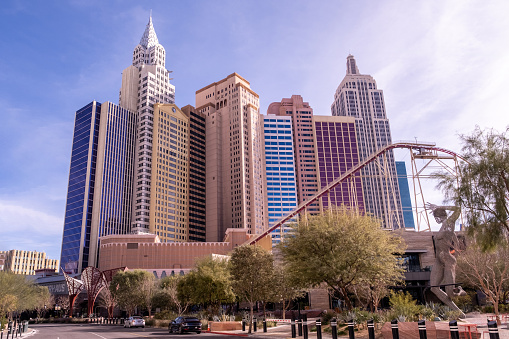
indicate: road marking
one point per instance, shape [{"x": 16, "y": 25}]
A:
[
  {"x": 100, "y": 336},
  {"x": 139, "y": 335}
]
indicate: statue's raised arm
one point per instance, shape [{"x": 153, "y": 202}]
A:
[{"x": 440, "y": 214}]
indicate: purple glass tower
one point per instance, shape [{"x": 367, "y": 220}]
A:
[{"x": 337, "y": 152}]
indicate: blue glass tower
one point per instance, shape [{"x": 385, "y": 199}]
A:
[
  {"x": 406, "y": 201},
  {"x": 280, "y": 171},
  {"x": 80, "y": 192},
  {"x": 99, "y": 195}
]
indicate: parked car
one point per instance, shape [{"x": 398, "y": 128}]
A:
[
  {"x": 185, "y": 324},
  {"x": 135, "y": 321}
]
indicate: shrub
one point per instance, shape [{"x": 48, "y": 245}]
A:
[
  {"x": 442, "y": 311},
  {"x": 327, "y": 316},
  {"x": 165, "y": 315},
  {"x": 403, "y": 305},
  {"x": 487, "y": 309},
  {"x": 464, "y": 302},
  {"x": 427, "y": 313}
]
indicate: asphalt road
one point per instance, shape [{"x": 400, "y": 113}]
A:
[{"x": 75, "y": 331}]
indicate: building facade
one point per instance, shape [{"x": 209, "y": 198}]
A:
[
  {"x": 99, "y": 194},
  {"x": 235, "y": 175},
  {"x": 176, "y": 172},
  {"x": 145, "y": 83},
  {"x": 147, "y": 252},
  {"x": 280, "y": 171},
  {"x": 80, "y": 199},
  {"x": 302, "y": 117},
  {"x": 2, "y": 259},
  {"x": 357, "y": 96},
  {"x": 26, "y": 262},
  {"x": 197, "y": 183},
  {"x": 336, "y": 152},
  {"x": 404, "y": 190}
]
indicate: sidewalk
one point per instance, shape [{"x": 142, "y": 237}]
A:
[{"x": 283, "y": 330}]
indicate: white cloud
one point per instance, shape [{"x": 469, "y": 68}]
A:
[{"x": 26, "y": 228}]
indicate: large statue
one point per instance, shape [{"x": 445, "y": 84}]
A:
[{"x": 444, "y": 268}]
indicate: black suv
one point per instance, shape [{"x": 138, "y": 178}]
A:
[{"x": 185, "y": 324}]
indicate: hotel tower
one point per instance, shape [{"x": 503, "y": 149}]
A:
[
  {"x": 357, "y": 96},
  {"x": 145, "y": 83},
  {"x": 235, "y": 177}
]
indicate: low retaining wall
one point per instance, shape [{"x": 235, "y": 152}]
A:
[{"x": 217, "y": 326}]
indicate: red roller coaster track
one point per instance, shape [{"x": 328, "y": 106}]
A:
[{"x": 408, "y": 145}]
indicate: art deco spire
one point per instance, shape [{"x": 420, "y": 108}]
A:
[
  {"x": 149, "y": 37},
  {"x": 351, "y": 65}
]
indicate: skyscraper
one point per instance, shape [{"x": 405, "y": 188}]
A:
[
  {"x": 235, "y": 177},
  {"x": 99, "y": 194},
  {"x": 145, "y": 83},
  {"x": 280, "y": 171},
  {"x": 406, "y": 201},
  {"x": 358, "y": 96},
  {"x": 175, "y": 213},
  {"x": 302, "y": 114},
  {"x": 337, "y": 152}
]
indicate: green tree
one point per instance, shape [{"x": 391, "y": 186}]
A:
[
  {"x": 252, "y": 270},
  {"x": 129, "y": 289},
  {"x": 342, "y": 248},
  {"x": 285, "y": 289},
  {"x": 481, "y": 188},
  {"x": 208, "y": 284},
  {"x": 18, "y": 294},
  {"x": 43, "y": 300},
  {"x": 168, "y": 297},
  {"x": 487, "y": 271}
]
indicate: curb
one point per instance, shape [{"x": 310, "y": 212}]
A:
[{"x": 226, "y": 333}]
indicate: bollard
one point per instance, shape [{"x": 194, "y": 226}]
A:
[
  {"x": 351, "y": 332},
  {"x": 453, "y": 325},
  {"x": 493, "y": 330},
  {"x": 318, "y": 328},
  {"x": 254, "y": 324},
  {"x": 294, "y": 331},
  {"x": 305, "y": 326},
  {"x": 395, "y": 330},
  {"x": 243, "y": 325},
  {"x": 371, "y": 329},
  {"x": 292, "y": 326},
  {"x": 422, "y": 329},
  {"x": 264, "y": 325},
  {"x": 334, "y": 328},
  {"x": 299, "y": 325}
]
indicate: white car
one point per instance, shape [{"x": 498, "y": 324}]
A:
[{"x": 135, "y": 321}]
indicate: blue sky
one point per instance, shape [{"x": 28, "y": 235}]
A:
[{"x": 442, "y": 66}]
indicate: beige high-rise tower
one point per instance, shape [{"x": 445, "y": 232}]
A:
[
  {"x": 145, "y": 83},
  {"x": 235, "y": 175}
]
